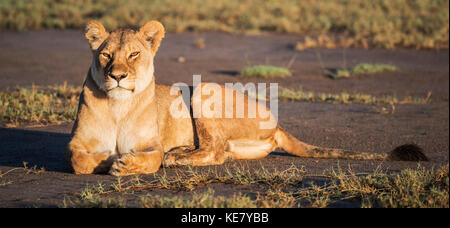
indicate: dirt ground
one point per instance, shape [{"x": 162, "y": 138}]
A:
[{"x": 53, "y": 57}]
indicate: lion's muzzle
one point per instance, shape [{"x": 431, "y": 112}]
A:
[{"x": 117, "y": 76}]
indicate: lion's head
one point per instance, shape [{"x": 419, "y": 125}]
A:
[{"x": 123, "y": 59}]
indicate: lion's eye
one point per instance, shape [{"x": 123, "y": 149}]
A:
[
  {"x": 134, "y": 55},
  {"x": 105, "y": 55}
]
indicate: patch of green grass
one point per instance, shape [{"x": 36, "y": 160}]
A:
[
  {"x": 363, "y": 68},
  {"x": 412, "y": 188},
  {"x": 265, "y": 71},
  {"x": 366, "y": 68},
  {"x": 41, "y": 105},
  {"x": 382, "y": 23},
  {"x": 408, "y": 188},
  {"x": 192, "y": 178},
  {"x": 208, "y": 199},
  {"x": 285, "y": 94},
  {"x": 94, "y": 197},
  {"x": 339, "y": 73}
]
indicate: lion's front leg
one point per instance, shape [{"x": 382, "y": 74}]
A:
[
  {"x": 88, "y": 163},
  {"x": 137, "y": 163}
]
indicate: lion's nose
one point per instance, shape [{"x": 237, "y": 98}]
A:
[{"x": 118, "y": 76}]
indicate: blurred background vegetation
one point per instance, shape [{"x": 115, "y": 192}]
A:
[{"x": 375, "y": 23}]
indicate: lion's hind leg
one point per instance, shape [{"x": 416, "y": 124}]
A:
[
  {"x": 249, "y": 149},
  {"x": 236, "y": 149}
]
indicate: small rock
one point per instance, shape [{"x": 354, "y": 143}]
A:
[{"x": 181, "y": 59}]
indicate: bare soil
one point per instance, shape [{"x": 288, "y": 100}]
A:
[{"x": 56, "y": 56}]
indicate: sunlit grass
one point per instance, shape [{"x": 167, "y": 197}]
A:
[
  {"x": 209, "y": 199},
  {"x": 39, "y": 105},
  {"x": 410, "y": 188},
  {"x": 366, "y": 68},
  {"x": 265, "y": 71},
  {"x": 418, "y": 187},
  {"x": 358, "y": 23},
  {"x": 363, "y": 68},
  {"x": 285, "y": 94}
]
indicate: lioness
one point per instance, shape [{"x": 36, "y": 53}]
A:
[{"x": 124, "y": 125}]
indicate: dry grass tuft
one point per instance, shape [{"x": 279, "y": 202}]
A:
[
  {"x": 285, "y": 94},
  {"x": 412, "y": 188},
  {"x": 41, "y": 105},
  {"x": 408, "y": 188},
  {"x": 363, "y": 68}
]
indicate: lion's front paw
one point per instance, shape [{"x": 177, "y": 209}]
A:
[
  {"x": 136, "y": 163},
  {"x": 177, "y": 156},
  {"x": 88, "y": 163},
  {"x": 174, "y": 158},
  {"x": 169, "y": 160},
  {"x": 120, "y": 167}
]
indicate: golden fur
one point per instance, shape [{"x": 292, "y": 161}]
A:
[{"x": 124, "y": 125}]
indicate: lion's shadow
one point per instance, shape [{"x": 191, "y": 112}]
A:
[
  {"x": 41, "y": 149},
  {"x": 37, "y": 148}
]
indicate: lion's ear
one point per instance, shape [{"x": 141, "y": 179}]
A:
[
  {"x": 96, "y": 34},
  {"x": 153, "y": 32}
]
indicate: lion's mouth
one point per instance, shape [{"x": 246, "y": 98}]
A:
[{"x": 120, "y": 88}]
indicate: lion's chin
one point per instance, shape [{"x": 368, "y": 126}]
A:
[{"x": 119, "y": 93}]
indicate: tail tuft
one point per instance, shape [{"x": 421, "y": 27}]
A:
[{"x": 407, "y": 152}]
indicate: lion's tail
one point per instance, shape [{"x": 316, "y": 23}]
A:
[{"x": 290, "y": 144}]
